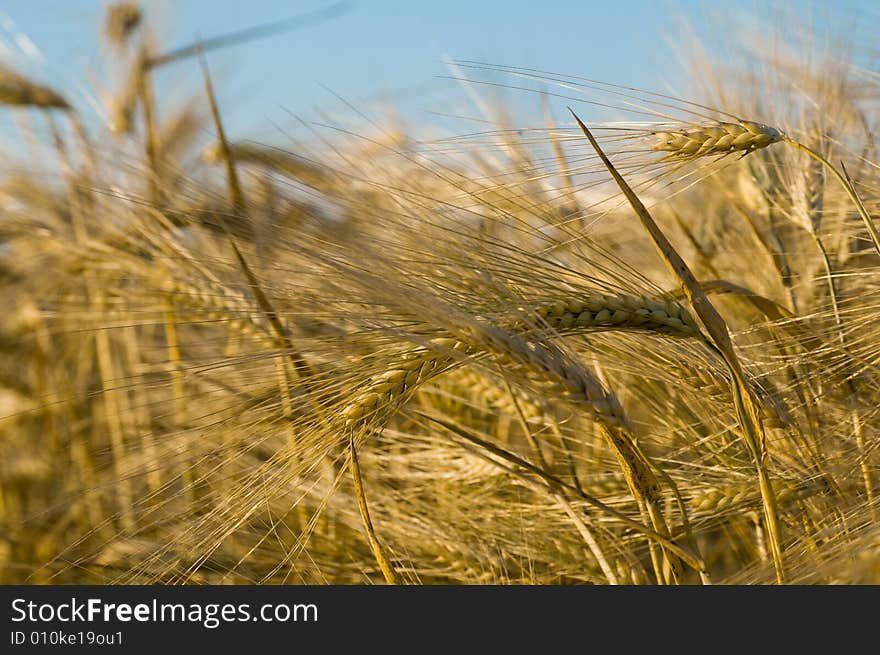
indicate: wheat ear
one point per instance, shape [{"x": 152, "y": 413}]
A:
[
  {"x": 846, "y": 182},
  {"x": 716, "y": 139},
  {"x": 19, "y": 91},
  {"x": 617, "y": 311},
  {"x": 569, "y": 315},
  {"x": 121, "y": 21}
]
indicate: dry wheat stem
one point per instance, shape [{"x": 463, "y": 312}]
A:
[
  {"x": 302, "y": 367},
  {"x": 749, "y": 418},
  {"x": 385, "y": 566}
]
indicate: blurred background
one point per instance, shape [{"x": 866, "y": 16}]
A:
[{"x": 379, "y": 54}]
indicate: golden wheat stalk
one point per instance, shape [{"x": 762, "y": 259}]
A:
[
  {"x": 121, "y": 21},
  {"x": 385, "y": 566}
]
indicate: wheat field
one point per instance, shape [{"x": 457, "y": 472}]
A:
[{"x": 636, "y": 347}]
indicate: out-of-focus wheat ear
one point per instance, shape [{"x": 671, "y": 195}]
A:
[
  {"x": 749, "y": 418},
  {"x": 277, "y": 160},
  {"x": 772, "y": 244},
  {"x": 17, "y": 90},
  {"x": 855, "y": 417},
  {"x": 385, "y": 566},
  {"x": 177, "y": 133},
  {"x": 121, "y": 21},
  {"x": 705, "y": 258},
  {"x": 848, "y": 186},
  {"x": 303, "y": 368},
  {"x": 770, "y": 309},
  {"x": 863, "y": 212},
  {"x": 122, "y": 105}
]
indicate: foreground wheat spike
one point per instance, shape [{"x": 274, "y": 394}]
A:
[
  {"x": 747, "y": 136},
  {"x": 600, "y": 311},
  {"x": 617, "y": 311},
  {"x": 716, "y": 139}
]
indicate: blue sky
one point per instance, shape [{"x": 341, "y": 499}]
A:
[{"x": 378, "y": 51}]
